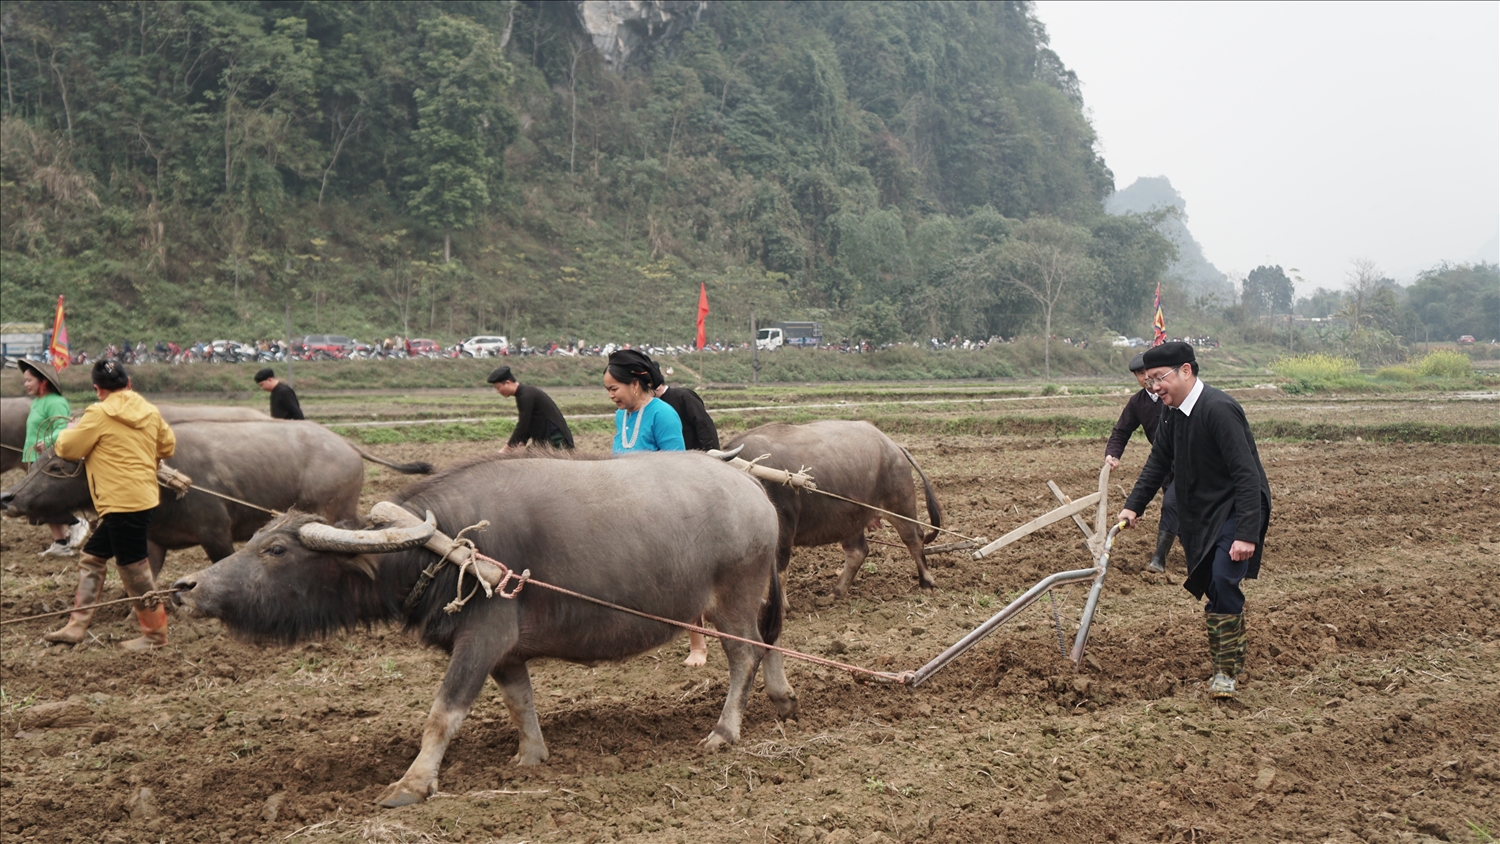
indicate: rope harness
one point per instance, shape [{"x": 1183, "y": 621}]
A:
[
  {"x": 149, "y": 599},
  {"x": 802, "y": 479},
  {"x": 462, "y": 553},
  {"x": 166, "y": 477}
]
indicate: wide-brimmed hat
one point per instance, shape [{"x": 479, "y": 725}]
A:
[{"x": 44, "y": 371}]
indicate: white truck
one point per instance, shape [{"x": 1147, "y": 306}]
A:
[{"x": 780, "y": 334}]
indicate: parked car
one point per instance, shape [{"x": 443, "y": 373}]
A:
[
  {"x": 327, "y": 343},
  {"x": 1120, "y": 342},
  {"x": 421, "y": 346},
  {"x": 1136, "y": 342},
  {"x": 1466, "y": 340},
  {"x": 485, "y": 345}
]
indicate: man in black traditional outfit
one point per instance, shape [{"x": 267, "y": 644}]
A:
[
  {"x": 284, "y": 404},
  {"x": 538, "y": 419},
  {"x": 1144, "y": 410},
  {"x": 698, "y": 430},
  {"x": 1223, "y": 498}
]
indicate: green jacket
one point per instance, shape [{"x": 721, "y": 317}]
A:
[{"x": 48, "y": 416}]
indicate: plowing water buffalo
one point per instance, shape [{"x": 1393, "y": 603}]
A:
[
  {"x": 855, "y": 460},
  {"x": 176, "y": 413},
  {"x": 12, "y": 431},
  {"x": 13, "y": 423},
  {"x": 270, "y": 464},
  {"x": 675, "y": 535}
]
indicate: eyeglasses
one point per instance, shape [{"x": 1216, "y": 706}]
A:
[{"x": 1152, "y": 382}]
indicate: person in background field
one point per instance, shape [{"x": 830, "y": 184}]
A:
[
  {"x": 538, "y": 419},
  {"x": 1223, "y": 498},
  {"x": 698, "y": 431},
  {"x": 47, "y": 417},
  {"x": 124, "y": 439},
  {"x": 632, "y": 379},
  {"x": 284, "y": 404},
  {"x": 1144, "y": 410}
]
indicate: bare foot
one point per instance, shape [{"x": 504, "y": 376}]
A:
[{"x": 697, "y": 651}]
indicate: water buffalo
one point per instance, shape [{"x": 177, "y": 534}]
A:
[
  {"x": 177, "y": 413},
  {"x": 675, "y": 535},
  {"x": 275, "y": 465},
  {"x": 12, "y": 432},
  {"x": 855, "y": 460},
  {"x": 13, "y": 423}
]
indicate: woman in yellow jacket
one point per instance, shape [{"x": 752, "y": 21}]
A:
[{"x": 124, "y": 439}]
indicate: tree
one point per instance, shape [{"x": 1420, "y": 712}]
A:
[
  {"x": 1451, "y": 300},
  {"x": 1044, "y": 258},
  {"x": 1267, "y": 292},
  {"x": 1133, "y": 255},
  {"x": 462, "y": 126}
]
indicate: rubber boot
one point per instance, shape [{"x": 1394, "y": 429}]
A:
[
  {"x": 1226, "y": 647},
  {"x": 152, "y": 616},
  {"x": 1163, "y": 546},
  {"x": 91, "y": 571}
]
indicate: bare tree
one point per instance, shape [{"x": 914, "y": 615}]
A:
[
  {"x": 1364, "y": 279},
  {"x": 1043, "y": 257}
]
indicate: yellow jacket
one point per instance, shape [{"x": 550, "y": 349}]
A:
[{"x": 123, "y": 437}]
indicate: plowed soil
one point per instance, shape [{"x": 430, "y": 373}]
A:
[{"x": 1370, "y": 710}]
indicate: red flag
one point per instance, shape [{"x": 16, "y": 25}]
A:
[
  {"x": 1160, "y": 322},
  {"x": 702, "y": 314},
  {"x": 58, "y": 350}
]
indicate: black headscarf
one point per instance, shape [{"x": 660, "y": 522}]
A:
[{"x": 629, "y": 365}]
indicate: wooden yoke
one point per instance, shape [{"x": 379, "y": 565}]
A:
[{"x": 388, "y": 513}]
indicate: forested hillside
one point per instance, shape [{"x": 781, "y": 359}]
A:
[{"x": 898, "y": 170}]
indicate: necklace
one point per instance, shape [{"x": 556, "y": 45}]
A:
[{"x": 627, "y": 439}]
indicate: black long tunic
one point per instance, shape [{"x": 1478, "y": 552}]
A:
[
  {"x": 1218, "y": 471},
  {"x": 698, "y": 431},
  {"x": 537, "y": 417},
  {"x": 1140, "y": 412},
  {"x": 284, "y": 404}
]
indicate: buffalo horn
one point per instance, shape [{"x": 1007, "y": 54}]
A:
[
  {"x": 322, "y": 537},
  {"x": 729, "y": 455}
]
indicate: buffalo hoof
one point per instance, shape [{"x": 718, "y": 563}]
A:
[
  {"x": 715, "y": 742},
  {"x": 787, "y": 710},
  {"x": 400, "y": 794},
  {"x": 530, "y": 757}
]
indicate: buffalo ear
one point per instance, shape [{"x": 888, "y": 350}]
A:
[{"x": 362, "y": 563}]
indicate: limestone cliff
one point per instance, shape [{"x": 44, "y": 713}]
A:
[{"x": 620, "y": 28}]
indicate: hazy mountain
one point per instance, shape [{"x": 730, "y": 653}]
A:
[
  {"x": 1489, "y": 253},
  {"x": 1198, "y": 276}
]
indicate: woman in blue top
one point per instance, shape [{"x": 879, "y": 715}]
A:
[
  {"x": 646, "y": 423},
  {"x": 643, "y": 422}
]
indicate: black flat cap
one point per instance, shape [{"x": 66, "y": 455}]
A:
[
  {"x": 501, "y": 374},
  {"x": 262, "y": 375},
  {"x": 1138, "y": 362},
  {"x": 1175, "y": 353}
]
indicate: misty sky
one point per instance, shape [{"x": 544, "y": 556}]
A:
[{"x": 1302, "y": 134}]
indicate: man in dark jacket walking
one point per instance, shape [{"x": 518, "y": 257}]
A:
[
  {"x": 538, "y": 419},
  {"x": 284, "y": 404},
  {"x": 1223, "y": 498},
  {"x": 1144, "y": 411}
]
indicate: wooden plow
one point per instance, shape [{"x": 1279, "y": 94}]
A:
[{"x": 1100, "y": 541}]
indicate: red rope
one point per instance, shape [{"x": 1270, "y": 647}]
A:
[{"x": 525, "y": 577}]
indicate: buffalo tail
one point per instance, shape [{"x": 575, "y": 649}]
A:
[
  {"x": 934, "y": 510},
  {"x": 771, "y": 612},
  {"x": 420, "y": 467}
]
